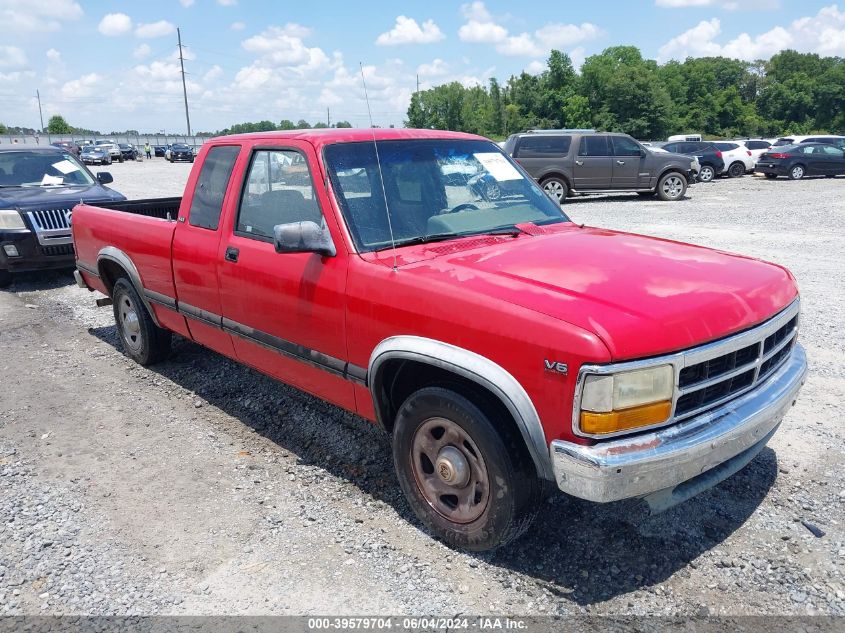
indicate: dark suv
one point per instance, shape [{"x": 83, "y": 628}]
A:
[
  {"x": 581, "y": 162},
  {"x": 709, "y": 157}
]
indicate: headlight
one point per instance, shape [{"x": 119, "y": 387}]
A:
[
  {"x": 11, "y": 219},
  {"x": 627, "y": 400}
]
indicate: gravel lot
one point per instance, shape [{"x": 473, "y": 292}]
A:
[{"x": 201, "y": 487}]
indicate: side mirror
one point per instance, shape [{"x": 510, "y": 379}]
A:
[
  {"x": 104, "y": 177},
  {"x": 643, "y": 152},
  {"x": 303, "y": 237}
]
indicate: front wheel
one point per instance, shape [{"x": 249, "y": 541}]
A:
[
  {"x": 143, "y": 341},
  {"x": 671, "y": 187},
  {"x": 556, "y": 188},
  {"x": 464, "y": 472},
  {"x": 706, "y": 174},
  {"x": 736, "y": 170},
  {"x": 797, "y": 172}
]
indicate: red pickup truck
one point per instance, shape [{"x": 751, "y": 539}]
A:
[{"x": 501, "y": 345}]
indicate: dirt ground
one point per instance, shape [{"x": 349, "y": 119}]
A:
[{"x": 199, "y": 486}]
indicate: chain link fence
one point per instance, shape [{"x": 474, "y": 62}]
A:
[{"x": 152, "y": 139}]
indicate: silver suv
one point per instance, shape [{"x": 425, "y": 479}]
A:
[{"x": 568, "y": 163}]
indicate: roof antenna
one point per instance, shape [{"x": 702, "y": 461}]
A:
[{"x": 378, "y": 163}]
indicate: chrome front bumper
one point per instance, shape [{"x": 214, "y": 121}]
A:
[{"x": 640, "y": 465}]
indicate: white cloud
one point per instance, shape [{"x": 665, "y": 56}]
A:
[
  {"x": 535, "y": 68},
  {"x": 53, "y": 55},
  {"x": 115, "y": 24},
  {"x": 186, "y": 3},
  {"x": 12, "y": 57},
  {"x": 213, "y": 73},
  {"x": 82, "y": 87},
  {"x": 155, "y": 29},
  {"x": 284, "y": 47},
  {"x": 823, "y": 33},
  {"x": 142, "y": 51},
  {"x": 481, "y": 28},
  {"x": 728, "y": 5},
  {"x": 237, "y": 26},
  {"x": 40, "y": 15},
  {"x": 408, "y": 31},
  {"x": 437, "y": 68},
  {"x": 227, "y": 3}
]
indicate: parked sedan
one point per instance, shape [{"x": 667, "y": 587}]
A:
[
  {"x": 69, "y": 146},
  {"x": 112, "y": 148},
  {"x": 160, "y": 150},
  {"x": 95, "y": 154},
  {"x": 179, "y": 151},
  {"x": 128, "y": 151},
  {"x": 709, "y": 157},
  {"x": 806, "y": 159}
]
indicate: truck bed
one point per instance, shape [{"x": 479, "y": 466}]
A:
[{"x": 162, "y": 208}]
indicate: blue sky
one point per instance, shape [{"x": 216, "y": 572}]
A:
[{"x": 112, "y": 64}]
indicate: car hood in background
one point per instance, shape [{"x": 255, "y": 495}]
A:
[{"x": 52, "y": 197}]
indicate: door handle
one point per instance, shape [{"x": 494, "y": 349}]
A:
[
  {"x": 620, "y": 162},
  {"x": 231, "y": 254},
  {"x": 579, "y": 162}
]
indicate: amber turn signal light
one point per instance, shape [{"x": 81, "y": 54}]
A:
[{"x": 626, "y": 419}]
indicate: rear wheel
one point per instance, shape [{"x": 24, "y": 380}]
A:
[
  {"x": 707, "y": 173},
  {"x": 672, "y": 186},
  {"x": 5, "y": 278},
  {"x": 796, "y": 172},
  {"x": 143, "y": 341},
  {"x": 556, "y": 188},
  {"x": 466, "y": 476},
  {"x": 736, "y": 170}
]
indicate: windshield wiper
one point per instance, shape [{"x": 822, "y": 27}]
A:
[
  {"x": 10, "y": 186},
  {"x": 442, "y": 237}
]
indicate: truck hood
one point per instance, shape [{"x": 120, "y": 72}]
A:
[
  {"x": 55, "y": 197},
  {"x": 642, "y": 296}
]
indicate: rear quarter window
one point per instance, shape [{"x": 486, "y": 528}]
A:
[
  {"x": 543, "y": 146},
  {"x": 211, "y": 186}
]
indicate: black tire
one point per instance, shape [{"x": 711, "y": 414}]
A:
[
  {"x": 514, "y": 492},
  {"x": 5, "y": 278},
  {"x": 797, "y": 172},
  {"x": 556, "y": 188},
  {"x": 736, "y": 170},
  {"x": 707, "y": 173},
  {"x": 120, "y": 160},
  {"x": 770, "y": 176},
  {"x": 672, "y": 186},
  {"x": 143, "y": 341}
]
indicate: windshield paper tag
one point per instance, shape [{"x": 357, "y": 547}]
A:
[
  {"x": 65, "y": 166},
  {"x": 498, "y": 166},
  {"x": 52, "y": 180}
]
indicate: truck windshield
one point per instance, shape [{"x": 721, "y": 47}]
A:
[
  {"x": 433, "y": 189},
  {"x": 42, "y": 169}
]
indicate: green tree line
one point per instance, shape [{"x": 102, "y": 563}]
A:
[
  {"x": 269, "y": 126},
  {"x": 619, "y": 90}
]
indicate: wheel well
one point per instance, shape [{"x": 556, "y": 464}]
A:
[
  {"x": 398, "y": 378},
  {"x": 555, "y": 175},
  {"x": 671, "y": 170},
  {"x": 110, "y": 272}
]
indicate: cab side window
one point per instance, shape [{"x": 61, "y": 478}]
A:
[
  {"x": 211, "y": 186},
  {"x": 623, "y": 146},
  {"x": 543, "y": 146},
  {"x": 594, "y": 146},
  {"x": 278, "y": 190}
]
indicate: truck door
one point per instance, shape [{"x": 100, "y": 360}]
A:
[
  {"x": 628, "y": 163},
  {"x": 196, "y": 243},
  {"x": 286, "y": 310},
  {"x": 593, "y": 167}
]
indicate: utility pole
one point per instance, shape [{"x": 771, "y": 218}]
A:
[
  {"x": 328, "y": 118},
  {"x": 184, "y": 89},
  {"x": 418, "y": 82},
  {"x": 40, "y": 114}
]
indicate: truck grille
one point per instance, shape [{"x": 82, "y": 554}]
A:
[
  {"x": 712, "y": 381},
  {"x": 55, "y": 251},
  {"x": 50, "y": 219}
]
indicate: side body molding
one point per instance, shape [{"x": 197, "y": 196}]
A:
[
  {"x": 124, "y": 261},
  {"x": 478, "y": 369}
]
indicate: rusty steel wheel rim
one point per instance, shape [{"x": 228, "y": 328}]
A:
[{"x": 450, "y": 471}]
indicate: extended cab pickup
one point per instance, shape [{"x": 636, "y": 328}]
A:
[{"x": 499, "y": 344}]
